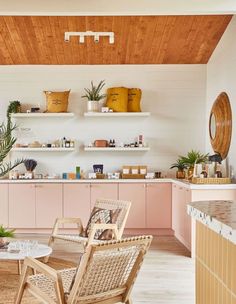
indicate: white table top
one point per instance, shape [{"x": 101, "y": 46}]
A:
[{"x": 39, "y": 252}]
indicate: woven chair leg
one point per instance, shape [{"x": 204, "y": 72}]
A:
[
  {"x": 50, "y": 244},
  {"x": 129, "y": 302}
]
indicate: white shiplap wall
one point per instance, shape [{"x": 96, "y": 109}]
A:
[
  {"x": 174, "y": 94},
  {"x": 221, "y": 76}
]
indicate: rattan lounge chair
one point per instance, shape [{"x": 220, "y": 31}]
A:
[
  {"x": 116, "y": 225},
  {"x": 106, "y": 275}
]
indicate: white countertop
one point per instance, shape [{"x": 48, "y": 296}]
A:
[
  {"x": 220, "y": 216},
  {"x": 181, "y": 183}
]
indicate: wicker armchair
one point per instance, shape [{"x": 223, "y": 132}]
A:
[
  {"x": 106, "y": 275},
  {"x": 116, "y": 226}
]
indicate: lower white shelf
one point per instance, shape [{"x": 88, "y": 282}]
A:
[
  {"x": 119, "y": 149},
  {"x": 43, "y": 149}
]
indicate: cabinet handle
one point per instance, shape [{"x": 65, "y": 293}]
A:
[
  {"x": 38, "y": 186},
  {"x": 181, "y": 188}
]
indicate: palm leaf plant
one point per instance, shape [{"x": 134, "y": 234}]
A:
[
  {"x": 194, "y": 157},
  {"x": 14, "y": 107},
  {"x": 181, "y": 167},
  {"x": 95, "y": 92},
  {"x": 7, "y": 141}
]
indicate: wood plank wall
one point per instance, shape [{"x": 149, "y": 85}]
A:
[{"x": 215, "y": 268}]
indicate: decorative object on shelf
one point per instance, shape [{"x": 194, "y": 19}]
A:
[
  {"x": 57, "y": 102},
  {"x": 100, "y": 143},
  {"x": 134, "y": 172},
  {"x": 30, "y": 165},
  {"x": 34, "y": 110},
  {"x": 4, "y": 235},
  {"x": 117, "y": 99},
  {"x": 98, "y": 168},
  {"x": 105, "y": 110},
  {"x": 181, "y": 166},
  {"x": 211, "y": 180},
  {"x": 193, "y": 157},
  {"x": 93, "y": 96},
  {"x": 134, "y": 99},
  {"x": 7, "y": 142},
  {"x": 220, "y": 125}
]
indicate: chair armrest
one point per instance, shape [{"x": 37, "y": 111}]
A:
[
  {"x": 41, "y": 267},
  {"x": 67, "y": 220},
  {"x": 104, "y": 226}
]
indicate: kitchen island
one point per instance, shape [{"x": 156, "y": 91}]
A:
[{"x": 215, "y": 251}]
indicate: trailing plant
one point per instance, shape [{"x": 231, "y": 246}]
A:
[
  {"x": 6, "y": 233},
  {"x": 6, "y": 143},
  {"x": 13, "y": 107},
  {"x": 94, "y": 92},
  {"x": 179, "y": 165},
  {"x": 194, "y": 157}
]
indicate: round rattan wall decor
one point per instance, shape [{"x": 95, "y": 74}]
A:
[{"x": 220, "y": 125}]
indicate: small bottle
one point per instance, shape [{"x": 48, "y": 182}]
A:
[
  {"x": 113, "y": 143},
  {"x": 63, "y": 142},
  {"x": 110, "y": 143}
]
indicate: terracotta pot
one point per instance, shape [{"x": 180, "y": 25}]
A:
[{"x": 180, "y": 174}]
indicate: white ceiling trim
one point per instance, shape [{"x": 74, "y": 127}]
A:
[{"x": 116, "y": 7}]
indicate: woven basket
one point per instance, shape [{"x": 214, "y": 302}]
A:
[{"x": 211, "y": 180}]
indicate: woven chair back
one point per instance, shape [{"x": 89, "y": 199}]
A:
[{"x": 108, "y": 270}]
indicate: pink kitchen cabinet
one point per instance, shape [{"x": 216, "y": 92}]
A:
[
  {"x": 77, "y": 201},
  {"x": 22, "y": 206},
  {"x": 136, "y": 193},
  {"x": 103, "y": 191},
  {"x": 4, "y": 205},
  {"x": 49, "y": 202},
  {"x": 158, "y": 205},
  {"x": 181, "y": 222}
]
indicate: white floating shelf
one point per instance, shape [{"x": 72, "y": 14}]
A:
[
  {"x": 34, "y": 115},
  {"x": 119, "y": 149},
  {"x": 117, "y": 114},
  {"x": 43, "y": 149}
]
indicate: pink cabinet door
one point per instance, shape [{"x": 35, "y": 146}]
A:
[
  {"x": 22, "y": 205},
  {"x": 136, "y": 194},
  {"x": 175, "y": 211},
  {"x": 77, "y": 201},
  {"x": 4, "y": 205},
  {"x": 188, "y": 226},
  {"x": 48, "y": 204},
  {"x": 182, "y": 211},
  {"x": 158, "y": 199},
  {"x": 103, "y": 191}
]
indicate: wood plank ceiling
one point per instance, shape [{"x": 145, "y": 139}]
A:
[{"x": 138, "y": 39}]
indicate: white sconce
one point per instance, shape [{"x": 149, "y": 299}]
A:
[{"x": 96, "y": 36}]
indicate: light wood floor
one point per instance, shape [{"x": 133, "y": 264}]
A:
[{"x": 167, "y": 275}]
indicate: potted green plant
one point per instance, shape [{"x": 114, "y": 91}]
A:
[
  {"x": 4, "y": 235},
  {"x": 94, "y": 95},
  {"x": 180, "y": 173},
  {"x": 7, "y": 141},
  {"x": 193, "y": 157}
]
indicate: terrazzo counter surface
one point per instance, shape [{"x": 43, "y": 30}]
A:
[{"x": 220, "y": 216}]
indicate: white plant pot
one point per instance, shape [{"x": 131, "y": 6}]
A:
[{"x": 92, "y": 106}]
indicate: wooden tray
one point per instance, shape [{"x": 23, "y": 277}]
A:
[
  {"x": 133, "y": 176},
  {"x": 211, "y": 180}
]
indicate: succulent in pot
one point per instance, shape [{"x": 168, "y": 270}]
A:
[
  {"x": 4, "y": 235},
  {"x": 94, "y": 95},
  {"x": 180, "y": 173}
]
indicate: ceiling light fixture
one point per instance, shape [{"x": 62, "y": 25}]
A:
[{"x": 96, "y": 36}]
